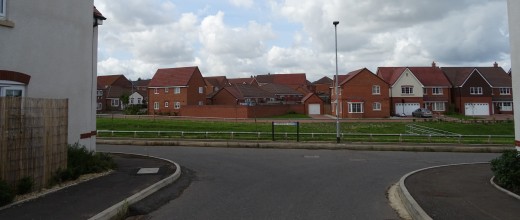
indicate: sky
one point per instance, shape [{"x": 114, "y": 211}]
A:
[{"x": 244, "y": 38}]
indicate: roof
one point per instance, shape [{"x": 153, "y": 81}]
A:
[
  {"x": 241, "y": 91},
  {"x": 98, "y": 14},
  {"x": 280, "y": 89},
  {"x": 219, "y": 81},
  {"x": 495, "y": 76},
  {"x": 173, "y": 77},
  {"x": 428, "y": 76},
  {"x": 324, "y": 80},
  {"x": 108, "y": 80},
  {"x": 141, "y": 83},
  {"x": 241, "y": 80},
  {"x": 284, "y": 79},
  {"x": 308, "y": 96}
]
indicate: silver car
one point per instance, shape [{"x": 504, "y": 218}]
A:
[{"x": 422, "y": 113}]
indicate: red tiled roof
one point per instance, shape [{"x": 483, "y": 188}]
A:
[
  {"x": 241, "y": 91},
  {"x": 324, "y": 80},
  {"x": 108, "y": 80},
  {"x": 390, "y": 74},
  {"x": 430, "y": 76},
  {"x": 496, "y": 76},
  {"x": 284, "y": 79},
  {"x": 173, "y": 77},
  {"x": 219, "y": 81},
  {"x": 241, "y": 80},
  {"x": 457, "y": 75},
  {"x": 141, "y": 83},
  {"x": 280, "y": 89}
]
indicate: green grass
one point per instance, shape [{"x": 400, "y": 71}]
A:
[
  {"x": 290, "y": 116},
  {"x": 353, "y": 131}
]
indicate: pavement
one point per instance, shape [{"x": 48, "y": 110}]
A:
[
  {"x": 446, "y": 192},
  {"x": 87, "y": 199}
]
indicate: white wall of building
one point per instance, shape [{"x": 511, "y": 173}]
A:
[
  {"x": 407, "y": 79},
  {"x": 54, "y": 42},
  {"x": 514, "y": 38}
]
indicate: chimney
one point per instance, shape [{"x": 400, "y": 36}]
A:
[
  {"x": 434, "y": 64},
  {"x": 495, "y": 64}
]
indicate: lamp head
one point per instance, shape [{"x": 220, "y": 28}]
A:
[{"x": 335, "y": 23}]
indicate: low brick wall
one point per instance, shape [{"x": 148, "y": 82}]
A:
[{"x": 226, "y": 111}]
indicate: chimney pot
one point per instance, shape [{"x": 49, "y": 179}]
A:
[
  {"x": 495, "y": 64},
  {"x": 434, "y": 64}
]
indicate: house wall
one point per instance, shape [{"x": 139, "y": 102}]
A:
[
  {"x": 169, "y": 96},
  {"x": 224, "y": 98},
  {"x": 55, "y": 43},
  {"x": 313, "y": 100},
  {"x": 445, "y": 98},
  {"x": 462, "y": 95},
  {"x": 196, "y": 81},
  {"x": 407, "y": 78}
]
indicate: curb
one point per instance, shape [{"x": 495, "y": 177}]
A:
[
  {"x": 413, "y": 208},
  {"x": 313, "y": 145},
  {"x": 503, "y": 190},
  {"x": 123, "y": 205}
]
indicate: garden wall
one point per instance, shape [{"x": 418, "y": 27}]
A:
[{"x": 239, "y": 111}]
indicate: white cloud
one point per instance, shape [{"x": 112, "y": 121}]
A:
[{"x": 242, "y": 3}]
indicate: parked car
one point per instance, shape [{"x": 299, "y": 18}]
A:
[{"x": 422, "y": 113}]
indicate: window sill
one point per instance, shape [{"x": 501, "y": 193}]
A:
[{"x": 6, "y": 23}]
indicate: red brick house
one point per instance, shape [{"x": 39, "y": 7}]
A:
[
  {"x": 415, "y": 87},
  {"x": 297, "y": 81},
  {"x": 480, "y": 90},
  {"x": 242, "y": 95},
  {"x": 172, "y": 88},
  {"x": 215, "y": 83},
  {"x": 109, "y": 91},
  {"x": 283, "y": 93},
  {"x": 362, "y": 95},
  {"x": 322, "y": 88},
  {"x": 313, "y": 104}
]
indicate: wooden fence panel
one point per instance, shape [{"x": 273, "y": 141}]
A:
[{"x": 33, "y": 138}]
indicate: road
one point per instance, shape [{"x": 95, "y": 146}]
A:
[{"x": 234, "y": 183}]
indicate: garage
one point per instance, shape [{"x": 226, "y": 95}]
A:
[
  {"x": 476, "y": 109},
  {"x": 406, "y": 108},
  {"x": 314, "y": 109}
]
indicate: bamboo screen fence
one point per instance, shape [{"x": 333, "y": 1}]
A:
[{"x": 33, "y": 139}]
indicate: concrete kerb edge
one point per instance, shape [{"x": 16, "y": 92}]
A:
[
  {"x": 115, "y": 209},
  {"x": 503, "y": 190},
  {"x": 413, "y": 208}
]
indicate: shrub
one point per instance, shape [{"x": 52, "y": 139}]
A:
[
  {"x": 6, "y": 193},
  {"x": 507, "y": 170},
  {"x": 25, "y": 185}
]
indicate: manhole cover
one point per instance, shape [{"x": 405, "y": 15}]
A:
[{"x": 148, "y": 171}]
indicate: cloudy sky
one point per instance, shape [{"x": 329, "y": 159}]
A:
[{"x": 240, "y": 38}]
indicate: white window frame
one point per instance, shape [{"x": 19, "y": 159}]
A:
[
  {"x": 177, "y": 90},
  {"x": 437, "y": 91},
  {"x": 165, "y": 90},
  {"x": 407, "y": 90},
  {"x": 355, "y": 107},
  {"x": 156, "y": 91},
  {"x": 132, "y": 101},
  {"x": 99, "y": 92},
  {"x": 139, "y": 101},
  {"x": 156, "y": 105},
  {"x": 376, "y": 90},
  {"x": 114, "y": 102},
  {"x": 376, "y": 106},
  {"x": 201, "y": 103},
  {"x": 166, "y": 104},
  {"x": 201, "y": 90},
  {"x": 177, "y": 105},
  {"x": 505, "y": 91},
  {"x": 438, "y": 106},
  {"x": 99, "y": 106},
  {"x": 425, "y": 91},
  {"x": 475, "y": 91},
  {"x": 3, "y": 8},
  {"x": 10, "y": 85},
  {"x": 506, "y": 108}
]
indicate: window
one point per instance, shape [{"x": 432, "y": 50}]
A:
[
  {"x": 355, "y": 107},
  {"x": 139, "y": 101},
  {"x": 99, "y": 106},
  {"x": 438, "y": 106},
  {"x": 376, "y": 90},
  {"x": 425, "y": 91},
  {"x": 475, "y": 90},
  {"x": 505, "y": 106},
  {"x": 132, "y": 101},
  {"x": 156, "y": 105},
  {"x": 165, "y": 90},
  {"x": 505, "y": 91},
  {"x": 166, "y": 104},
  {"x": 376, "y": 106},
  {"x": 114, "y": 102},
  {"x": 177, "y": 105},
  {"x": 407, "y": 90},
  {"x": 12, "y": 90},
  {"x": 2, "y": 8},
  {"x": 177, "y": 90},
  {"x": 155, "y": 91},
  {"x": 201, "y": 90},
  {"x": 437, "y": 91},
  {"x": 99, "y": 92},
  {"x": 201, "y": 103}
]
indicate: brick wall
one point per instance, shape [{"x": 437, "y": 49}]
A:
[{"x": 238, "y": 111}]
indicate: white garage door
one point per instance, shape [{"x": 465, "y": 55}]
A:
[
  {"x": 314, "y": 109},
  {"x": 406, "y": 108},
  {"x": 476, "y": 109}
]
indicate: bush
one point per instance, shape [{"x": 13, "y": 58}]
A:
[
  {"x": 6, "y": 193},
  {"x": 25, "y": 185},
  {"x": 507, "y": 170}
]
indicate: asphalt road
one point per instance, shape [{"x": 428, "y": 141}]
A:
[{"x": 289, "y": 184}]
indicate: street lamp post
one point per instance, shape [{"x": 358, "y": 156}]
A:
[{"x": 335, "y": 23}]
